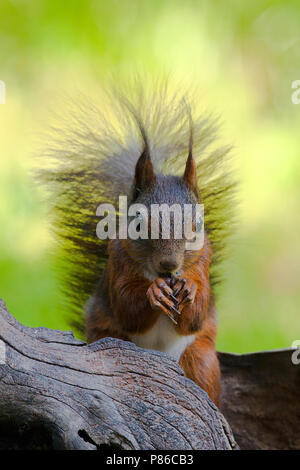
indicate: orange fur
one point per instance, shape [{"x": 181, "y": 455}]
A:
[
  {"x": 127, "y": 311},
  {"x": 200, "y": 363}
]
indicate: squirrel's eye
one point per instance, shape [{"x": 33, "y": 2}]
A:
[{"x": 199, "y": 224}]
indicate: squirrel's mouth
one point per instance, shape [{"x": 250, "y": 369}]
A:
[
  {"x": 164, "y": 275},
  {"x": 151, "y": 273},
  {"x": 175, "y": 274}
]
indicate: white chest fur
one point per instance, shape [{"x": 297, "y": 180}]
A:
[{"x": 163, "y": 337}]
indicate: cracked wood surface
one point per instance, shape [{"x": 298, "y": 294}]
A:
[{"x": 58, "y": 392}]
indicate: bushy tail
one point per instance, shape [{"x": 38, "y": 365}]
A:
[{"x": 90, "y": 159}]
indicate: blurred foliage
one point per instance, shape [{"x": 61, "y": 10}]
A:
[{"x": 243, "y": 58}]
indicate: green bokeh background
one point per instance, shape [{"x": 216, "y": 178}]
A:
[{"x": 243, "y": 57}]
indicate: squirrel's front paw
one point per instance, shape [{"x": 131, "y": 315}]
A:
[
  {"x": 184, "y": 290},
  {"x": 161, "y": 298}
]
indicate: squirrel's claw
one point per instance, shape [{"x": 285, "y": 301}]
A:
[
  {"x": 175, "y": 310},
  {"x": 184, "y": 291},
  {"x": 172, "y": 318},
  {"x": 158, "y": 295},
  {"x": 188, "y": 294},
  {"x": 173, "y": 298}
]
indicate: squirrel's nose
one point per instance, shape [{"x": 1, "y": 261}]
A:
[{"x": 168, "y": 265}]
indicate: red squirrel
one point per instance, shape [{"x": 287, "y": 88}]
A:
[{"x": 153, "y": 292}]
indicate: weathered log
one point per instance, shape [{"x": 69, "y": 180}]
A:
[{"x": 58, "y": 392}]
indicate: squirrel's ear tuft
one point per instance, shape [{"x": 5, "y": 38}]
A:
[
  {"x": 144, "y": 173},
  {"x": 190, "y": 172}
]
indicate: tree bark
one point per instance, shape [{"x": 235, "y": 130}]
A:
[{"x": 57, "y": 392}]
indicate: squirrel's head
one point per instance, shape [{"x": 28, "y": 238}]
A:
[{"x": 161, "y": 257}]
